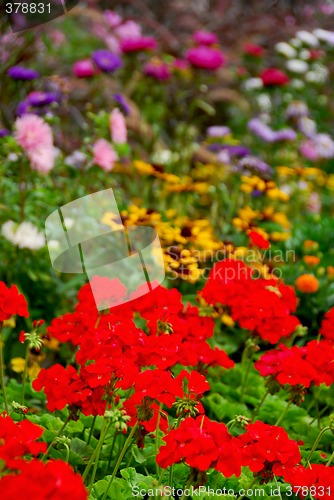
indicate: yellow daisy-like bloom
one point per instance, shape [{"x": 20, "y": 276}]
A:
[
  {"x": 143, "y": 167},
  {"x": 277, "y": 236},
  {"x": 181, "y": 264},
  {"x": 17, "y": 364}
]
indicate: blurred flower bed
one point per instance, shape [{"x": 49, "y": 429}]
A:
[{"x": 222, "y": 377}]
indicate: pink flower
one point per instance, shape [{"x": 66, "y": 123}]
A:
[
  {"x": 128, "y": 30},
  {"x": 205, "y": 38},
  {"x": 205, "y": 57},
  {"x": 157, "y": 69},
  {"x": 32, "y": 133},
  {"x": 104, "y": 155},
  {"x": 35, "y": 137},
  {"x": 42, "y": 159},
  {"x": 84, "y": 68},
  {"x": 118, "y": 129}
]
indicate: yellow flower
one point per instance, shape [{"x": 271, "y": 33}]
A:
[
  {"x": 143, "y": 167},
  {"x": 17, "y": 364}
]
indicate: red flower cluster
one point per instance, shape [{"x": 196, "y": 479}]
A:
[
  {"x": 113, "y": 353},
  {"x": 201, "y": 444},
  {"x": 267, "y": 450},
  {"x": 32, "y": 478},
  {"x": 54, "y": 480},
  {"x": 19, "y": 439},
  {"x": 12, "y": 302},
  {"x": 311, "y": 364},
  {"x": 262, "y": 306},
  {"x": 327, "y": 326},
  {"x": 317, "y": 479}
]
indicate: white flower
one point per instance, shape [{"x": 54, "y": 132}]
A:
[
  {"x": 295, "y": 42},
  {"x": 297, "y": 84},
  {"x": 319, "y": 74},
  {"x": 307, "y": 38},
  {"x": 285, "y": 49},
  {"x": 324, "y": 145},
  {"x": 24, "y": 235},
  {"x": 253, "y": 83},
  {"x": 305, "y": 54},
  {"x": 264, "y": 102},
  {"x": 324, "y": 35},
  {"x": 297, "y": 66}
]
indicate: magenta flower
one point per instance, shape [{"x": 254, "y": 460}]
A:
[
  {"x": 157, "y": 69},
  {"x": 138, "y": 44},
  {"x": 205, "y": 57},
  {"x": 104, "y": 155},
  {"x": 84, "y": 68},
  {"x": 205, "y": 38}
]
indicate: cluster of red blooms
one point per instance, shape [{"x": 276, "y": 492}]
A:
[
  {"x": 114, "y": 353},
  {"x": 327, "y": 325},
  {"x": 262, "y": 306},
  {"x": 318, "y": 480},
  {"x": 12, "y": 302},
  {"x": 267, "y": 450},
  {"x": 304, "y": 366},
  {"x": 23, "y": 476},
  {"x": 202, "y": 444}
]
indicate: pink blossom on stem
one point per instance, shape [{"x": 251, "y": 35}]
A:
[
  {"x": 118, "y": 128},
  {"x": 104, "y": 155}
]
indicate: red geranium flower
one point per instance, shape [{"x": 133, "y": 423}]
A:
[
  {"x": 12, "y": 302},
  {"x": 54, "y": 480},
  {"x": 273, "y": 76},
  {"x": 267, "y": 450}
]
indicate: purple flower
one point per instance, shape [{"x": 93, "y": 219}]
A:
[
  {"x": 238, "y": 151},
  {"x": 122, "y": 102},
  {"x": 262, "y": 130},
  {"x": 286, "y": 134},
  {"x": 106, "y": 60},
  {"x": 218, "y": 131},
  {"x": 39, "y": 98},
  {"x": 22, "y": 73},
  {"x": 157, "y": 69},
  {"x": 4, "y": 132},
  {"x": 256, "y": 193},
  {"x": 205, "y": 38},
  {"x": 23, "y": 108},
  {"x": 254, "y": 165},
  {"x": 267, "y": 134},
  {"x": 205, "y": 57}
]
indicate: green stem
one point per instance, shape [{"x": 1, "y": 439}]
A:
[
  {"x": 97, "y": 457},
  {"x": 330, "y": 460},
  {"x": 248, "y": 488},
  {"x": 24, "y": 376},
  {"x": 315, "y": 444},
  {"x": 96, "y": 451},
  {"x": 278, "y": 489},
  {"x": 170, "y": 476},
  {"x": 120, "y": 458},
  {"x": 284, "y": 413},
  {"x": 112, "y": 449},
  {"x": 61, "y": 430},
  {"x": 91, "y": 429},
  {"x": 2, "y": 372},
  {"x": 259, "y": 406},
  {"x": 190, "y": 478}
]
